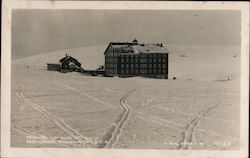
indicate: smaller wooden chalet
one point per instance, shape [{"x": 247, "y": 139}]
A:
[
  {"x": 69, "y": 63},
  {"x": 66, "y": 64}
]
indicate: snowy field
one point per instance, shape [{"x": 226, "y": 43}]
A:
[{"x": 199, "y": 110}]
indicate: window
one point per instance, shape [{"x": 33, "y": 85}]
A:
[
  {"x": 151, "y": 71},
  {"x": 136, "y": 60},
  {"x": 150, "y": 60},
  {"x": 132, "y": 71},
  {"x": 158, "y": 71},
  {"x": 143, "y": 71},
  {"x": 143, "y": 60},
  {"x": 143, "y": 66}
]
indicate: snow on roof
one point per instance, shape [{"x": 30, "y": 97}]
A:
[
  {"x": 138, "y": 48},
  {"x": 66, "y": 58},
  {"x": 150, "y": 48}
]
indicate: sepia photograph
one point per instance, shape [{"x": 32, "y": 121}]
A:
[{"x": 136, "y": 78}]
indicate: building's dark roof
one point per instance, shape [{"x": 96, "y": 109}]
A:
[
  {"x": 149, "y": 48},
  {"x": 126, "y": 47},
  {"x": 135, "y": 41},
  {"x": 67, "y": 57}
]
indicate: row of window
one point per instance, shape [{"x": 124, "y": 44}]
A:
[
  {"x": 110, "y": 66},
  {"x": 111, "y": 55},
  {"x": 114, "y": 63},
  {"x": 129, "y": 57},
  {"x": 145, "y": 55},
  {"x": 110, "y": 60},
  {"x": 142, "y": 71},
  {"x": 110, "y": 71},
  {"x": 132, "y": 69},
  {"x": 136, "y": 59},
  {"x": 143, "y": 60},
  {"x": 159, "y": 69},
  {"x": 143, "y": 65}
]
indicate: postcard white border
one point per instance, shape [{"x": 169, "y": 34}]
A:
[{"x": 7, "y": 151}]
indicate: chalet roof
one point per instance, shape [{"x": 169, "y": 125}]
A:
[
  {"x": 126, "y": 47},
  {"x": 67, "y": 57},
  {"x": 135, "y": 41}
]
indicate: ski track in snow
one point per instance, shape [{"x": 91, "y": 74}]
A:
[
  {"x": 57, "y": 121},
  {"x": 158, "y": 120},
  {"x": 85, "y": 94},
  {"x": 25, "y": 131},
  {"x": 172, "y": 125},
  {"x": 193, "y": 115},
  {"x": 217, "y": 134},
  {"x": 119, "y": 126},
  {"x": 188, "y": 133}
]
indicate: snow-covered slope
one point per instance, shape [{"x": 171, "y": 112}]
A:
[
  {"x": 135, "y": 113},
  {"x": 185, "y": 62},
  {"x": 204, "y": 62},
  {"x": 90, "y": 57}
]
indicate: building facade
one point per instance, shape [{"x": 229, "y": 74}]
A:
[{"x": 134, "y": 59}]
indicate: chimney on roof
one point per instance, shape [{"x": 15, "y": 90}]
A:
[
  {"x": 161, "y": 45},
  {"x": 135, "y": 41},
  {"x": 66, "y": 54}
]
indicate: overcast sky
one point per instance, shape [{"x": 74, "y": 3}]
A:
[{"x": 38, "y": 31}]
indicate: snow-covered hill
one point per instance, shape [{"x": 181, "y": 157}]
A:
[
  {"x": 135, "y": 113},
  {"x": 185, "y": 62}
]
